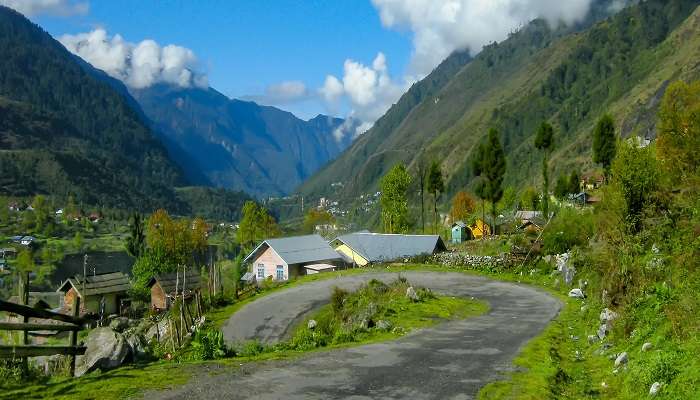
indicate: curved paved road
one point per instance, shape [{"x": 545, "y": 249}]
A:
[{"x": 450, "y": 361}]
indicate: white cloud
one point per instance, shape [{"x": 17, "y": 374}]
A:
[
  {"x": 138, "y": 65},
  {"x": 369, "y": 91},
  {"x": 61, "y": 8},
  {"x": 440, "y": 27}
]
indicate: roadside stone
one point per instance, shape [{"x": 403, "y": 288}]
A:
[
  {"x": 602, "y": 331},
  {"x": 621, "y": 359},
  {"x": 647, "y": 346},
  {"x": 137, "y": 346},
  {"x": 311, "y": 324},
  {"x": 411, "y": 294},
  {"x": 383, "y": 325},
  {"x": 593, "y": 339},
  {"x": 655, "y": 388},
  {"x": 106, "y": 349},
  {"x": 607, "y": 316},
  {"x": 576, "y": 293}
]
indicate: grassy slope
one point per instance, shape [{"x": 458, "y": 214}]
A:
[{"x": 505, "y": 87}]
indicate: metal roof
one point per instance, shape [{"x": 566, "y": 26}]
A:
[
  {"x": 169, "y": 281},
  {"x": 528, "y": 214},
  {"x": 113, "y": 282},
  {"x": 461, "y": 224},
  {"x": 381, "y": 247},
  {"x": 298, "y": 249}
]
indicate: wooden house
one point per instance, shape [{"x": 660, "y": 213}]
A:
[
  {"x": 165, "y": 287},
  {"x": 286, "y": 258},
  {"x": 362, "y": 248},
  {"x": 109, "y": 289},
  {"x": 460, "y": 232},
  {"x": 480, "y": 229}
]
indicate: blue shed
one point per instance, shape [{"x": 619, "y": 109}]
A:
[{"x": 460, "y": 233}]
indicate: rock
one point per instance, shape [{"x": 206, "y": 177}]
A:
[
  {"x": 311, "y": 324},
  {"x": 383, "y": 325},
  {"x": 137, "y": 346},
  {"x": 119, "y": 324},
  {"x": 647, "y": 346},
  {"x": 411, "y": 294},
  {"x": 593, "y": 339},
  {"x": 576, "y": 293},
  {"x": 655, "y": 388},
  {"x": 607, "y": 316},
  {"x": 106, "y": 349},
  {"x": 158, "y": 330},
  {"x": 602, "y": 331},
  {"x": 621, "y": 359}
]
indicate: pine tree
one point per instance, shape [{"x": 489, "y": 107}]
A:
[
  {"x": 490, "y": 165},
  {"x": 436, "y": 186},
  {"x": 544, "y": 140},
  {"x": 604, "y": 143}
]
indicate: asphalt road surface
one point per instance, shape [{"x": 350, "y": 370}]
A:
[{"x": 452, "y": 360}]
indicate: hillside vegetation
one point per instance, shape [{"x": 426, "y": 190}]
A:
[{"x": 566, "y": 76}]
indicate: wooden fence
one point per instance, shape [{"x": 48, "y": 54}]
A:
[{"x": 71, "y": 323}]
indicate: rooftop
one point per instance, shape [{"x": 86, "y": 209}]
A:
[
  {"x": 379, "y": 247},
  {"x": 113, "y": 282},
  {"x": 298, "y": 249}
]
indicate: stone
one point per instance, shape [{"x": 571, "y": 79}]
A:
[
  {"x": 602, "y": 331},
  {"x": 119, "y": 324},
  {"x": 654, "y": 389},
  {"x": 647, "y": 346},
  {"x": 158, "y": 331},
  {"x": 106, "y": 349},
  {"x": 607, "y": 316},
  {"x": 411, "y": 294},
  {"x": 137, "y": 346},
  {"x": 311, "y": 324},
  {"x": 576, "y": 293},
  {"x": 383, "y": 325},
  {"x": 593, "y": 339},
  {"x": 621, "y": 359}
]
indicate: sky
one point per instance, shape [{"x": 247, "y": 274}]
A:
[{"x": 348, "y": 58}]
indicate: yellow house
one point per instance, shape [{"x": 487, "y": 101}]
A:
[
  {"x": 480, "y": 228},
  {"x": 362, "y": 248},
  {"x": 351, "y": 255}
]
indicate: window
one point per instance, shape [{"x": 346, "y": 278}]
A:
[
  {"x": 280, "y": 273},
  {"x": 261, "y": 271}
]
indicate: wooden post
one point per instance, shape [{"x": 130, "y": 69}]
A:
[
  {"x": 24, "y": 299},
  {"x": 173, "y": 334},
  {"x": 74, "y": 334}
]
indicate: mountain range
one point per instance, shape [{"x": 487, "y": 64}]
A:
[{"x": 569, "y": 76}]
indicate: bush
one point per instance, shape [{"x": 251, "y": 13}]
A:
[
  {"x": 252, "y": 348},
  {"x": 569, "y": 229},
  {"x": 337, "y": 299},
  {"x": 208, "y": 344}
]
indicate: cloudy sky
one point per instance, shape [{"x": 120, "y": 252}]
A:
[{"x": 347, "y": 58}]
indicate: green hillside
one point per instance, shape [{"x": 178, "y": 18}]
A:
[{"x": 567, "y": 76}]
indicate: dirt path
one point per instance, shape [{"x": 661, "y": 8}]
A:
[{"x": 450, "y": 361}]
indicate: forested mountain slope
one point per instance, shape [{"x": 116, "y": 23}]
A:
[
  {"x": 63, "y": 130},
  {"x": 568, "y": 76},
  {"x": 239, "y": 144}
]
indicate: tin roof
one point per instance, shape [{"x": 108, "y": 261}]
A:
[
  {"x": 113, "y": 282},
  {"x": 381, "y": 247},
  {"x": 168, "y": 282},
  {"x": 460, "y": 224},
  {"x": 298, "y": 249}
]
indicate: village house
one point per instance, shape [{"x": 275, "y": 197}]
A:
[
  {"x": 362, "y": 248},
  {"x": 165, "y": 287},
  {"x": 287, "y": 258},
  {"x": 460, "y": 232},
  {"x": 110, "y": 289},
  {"x": 479, "y": 229}
]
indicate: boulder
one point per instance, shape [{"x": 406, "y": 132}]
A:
[
  {"x": 576, "y": 293},
  {"x": 311, "y": 324},
  {"x": 158, "y": 330},
  {"x": 602, "y": 331},
  {"x": 411, "y": 294},
  {"x": 607, "y": 316},
  {"x": 137, "y": 346},
  {"x": 119, "y": 324},
  {"x": 655, "y": 388},
  {"x": 621, "y": 359},
  {"x": 647, "y": 346},
  {"x": 106, "y": 349},
  {"x": 593, "y": 339},
  {"x": 383, "y": 325}
]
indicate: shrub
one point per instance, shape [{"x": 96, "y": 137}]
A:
[
  {"x": 338, "y": 296},
  {"x": 252, "y": 348},
  {"x": 208, "y": 344},
  {"x": 569, "y": 229}
]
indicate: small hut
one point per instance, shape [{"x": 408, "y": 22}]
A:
[
  {"x": 480, "y": 229},
  {"x": 460, "y": 232},
  {"x": 97, "y": 291},
  {"x": 165, "y": 287}
]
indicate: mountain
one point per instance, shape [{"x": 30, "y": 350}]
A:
[
  {"x": 239, "y": 144},
  {"x": 567, "y": 75},
  {"x": 65, "y": 130}
]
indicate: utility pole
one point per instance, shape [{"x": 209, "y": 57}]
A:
[{"x": 302, "y": 205}]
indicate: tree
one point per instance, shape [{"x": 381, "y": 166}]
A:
[
  {"x": 529, "y": 199},
  {"x": 78, "y": 242},
  {"x": 561, "y": 188},
  {"x": 136, "y": 241},
  {"x": 635, "y": 173},
  {"x": 256, "y": 224},
  {"x": 489, "y": 165},
  {"x": 317, "y": 217},
  {"x": 604, "y": 143},
  {"x": 574, "y": 182},
  {"x": 436, "y": 186},
  {"x": 679, "y": 130},
  {"x": 544, "y": 140},
  {"x": 4, "y": 211},
  {"x": 463, "y": 205},
  {"x": 394, "y": 199},
  {"x": 42, "y": 211},
  {"x": 421, "y": 191}
]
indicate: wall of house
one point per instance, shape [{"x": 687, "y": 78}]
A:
[
  {"x": 346, "y": 250},
  {"x": 270, "y": 260}
]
